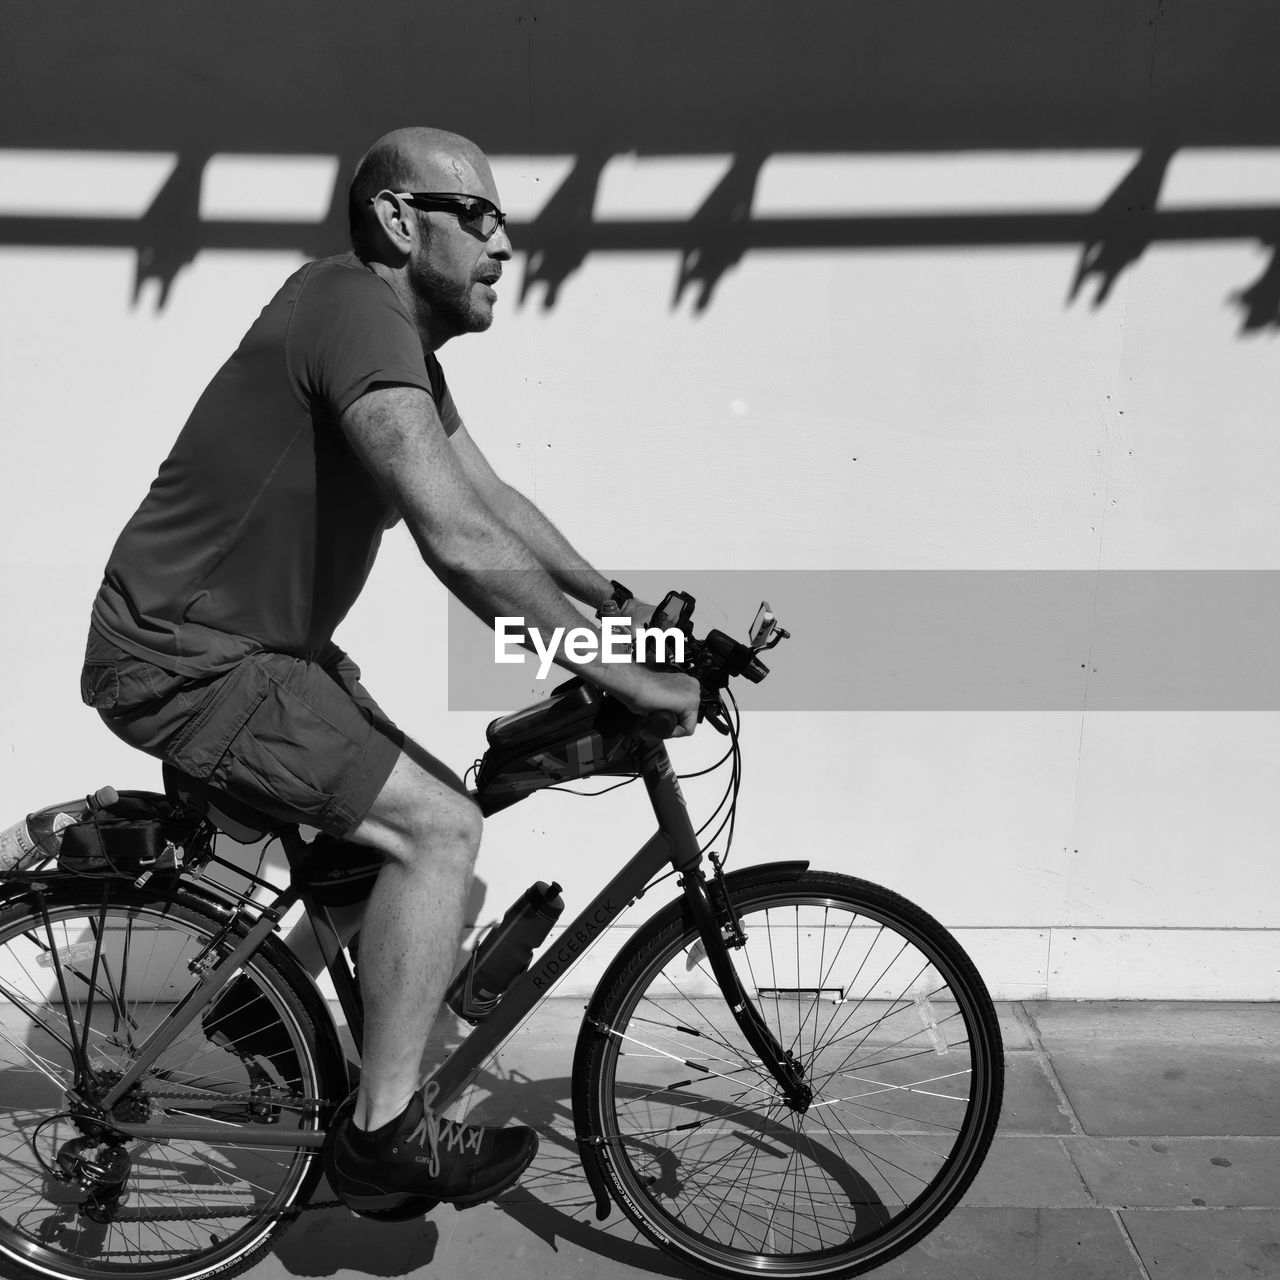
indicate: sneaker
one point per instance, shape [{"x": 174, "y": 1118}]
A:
[
  {"x": 422, "y": 1157},
  {"x": 241, "y": 1020}
]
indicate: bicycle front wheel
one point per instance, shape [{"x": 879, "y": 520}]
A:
[
  {"x": 87, "y": 975},
  {"x": 898, "y": 1041}
]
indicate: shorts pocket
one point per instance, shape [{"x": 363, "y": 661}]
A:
[
  {"x": 100, "y": 685},
  {"x": 198, "y": 750},
  {"x": 276, "y": 781},
  {"x": 292, "y": 755}
]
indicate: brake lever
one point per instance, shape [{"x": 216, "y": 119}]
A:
[{"x": 713, "y": 714}]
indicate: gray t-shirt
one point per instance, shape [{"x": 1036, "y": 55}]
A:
[{"x": 262, "y": 526}]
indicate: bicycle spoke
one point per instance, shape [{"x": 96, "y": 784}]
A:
[
  {"x": 872, "y": 1165},
  {"x": 872, "y": 986},
  {"x": 886, "y": 1087},
  {"x": 666, "y": 1024},
  {"x": 713, "y": 1032},
  {"x": 684, "y": 1061}
]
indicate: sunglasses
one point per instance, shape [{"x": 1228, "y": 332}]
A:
[{"x": 477, "y": 215}]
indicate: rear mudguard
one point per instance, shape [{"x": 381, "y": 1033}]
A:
[{"x": 589, "y": 1032}]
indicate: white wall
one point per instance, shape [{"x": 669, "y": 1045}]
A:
[{"x": 995, "y": 423}]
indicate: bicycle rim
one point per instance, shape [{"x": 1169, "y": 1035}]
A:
[
  {"x": 898, "y": 1040},
  {"x": 187, "y": 1208}
]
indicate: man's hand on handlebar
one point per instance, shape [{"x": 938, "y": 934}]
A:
[{"x": 670, "y": 691}]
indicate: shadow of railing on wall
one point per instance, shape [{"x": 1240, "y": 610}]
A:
[{"x": 707, "y": 245}]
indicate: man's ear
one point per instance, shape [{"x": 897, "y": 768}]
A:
[{"x": 392, "y": 216}]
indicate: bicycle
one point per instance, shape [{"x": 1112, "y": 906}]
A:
[{"x": 785, "y": 1072}]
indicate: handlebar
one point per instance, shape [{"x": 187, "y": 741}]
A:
[{"x": 713, "y": 661}]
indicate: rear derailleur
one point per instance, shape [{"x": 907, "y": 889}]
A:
[
  {"x": 98, "y": 1166},
  {"x": 96, "y": 1163}
]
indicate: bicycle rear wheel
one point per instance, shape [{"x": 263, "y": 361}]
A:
[
  {"x": 105, "y": 970},
  {"x": 898, "y": 1040}
]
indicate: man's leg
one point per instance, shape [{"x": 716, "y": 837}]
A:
[
  {"x": 428, "y": 830},
  {"x": 304, "y": 944},
  {"x": 386, "y": 1148}
]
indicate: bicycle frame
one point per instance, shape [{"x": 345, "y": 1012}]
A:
[{"x": 674, "y": 843}]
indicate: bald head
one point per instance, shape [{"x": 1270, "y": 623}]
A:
[{"x": 412, "y": 159}]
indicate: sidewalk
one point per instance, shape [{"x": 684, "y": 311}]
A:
[{"x": 1137, "y": 1141}]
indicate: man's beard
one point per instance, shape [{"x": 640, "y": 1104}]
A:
[{"x": 449, "y": 303}]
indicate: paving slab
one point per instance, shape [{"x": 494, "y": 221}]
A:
[
  {"x": 1226, "y": 1244},
  {"x": 1029, "y": 1173},
  {"x": 1166, "y": 1069},
  {"x": 1020, "y": 1244},
  {"x": 1014, "y": 1028},
  {"x": 1031, "y": 1105},
  {"x": 1181, "y": 1173}
]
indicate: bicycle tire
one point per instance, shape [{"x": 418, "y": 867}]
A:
[
  {"x": 694, "y": 1139},
  {"x": 190, "y": 1209}
]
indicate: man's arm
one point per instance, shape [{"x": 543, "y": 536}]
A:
[
  {"x": 570, "y": 570},
  {"x": 397, "y": 434}
]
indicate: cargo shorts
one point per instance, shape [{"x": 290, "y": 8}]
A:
[{"x": 302, "y": 741}]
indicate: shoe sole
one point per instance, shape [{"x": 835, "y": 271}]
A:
[
  {"x": 399, "y": 1206},
  {"x": 413, "y": 1207}
]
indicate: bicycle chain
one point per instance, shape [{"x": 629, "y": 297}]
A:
[
  {"x": 192, "y": 1215},
  {"x": 213, "y": 1095}
]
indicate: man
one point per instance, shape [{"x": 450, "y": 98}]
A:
[{"x": 211, "y": 643}]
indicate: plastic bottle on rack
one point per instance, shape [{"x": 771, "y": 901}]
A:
[
  {"x": 39, "y": 834},
  {"x": 36, "y": 834},
  {"x": 505, "y": 953}
]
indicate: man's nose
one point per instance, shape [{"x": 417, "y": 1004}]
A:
[{"x": 500, "y": 245}]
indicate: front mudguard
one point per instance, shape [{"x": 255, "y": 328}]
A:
[{"x": 591, "y": 1031}]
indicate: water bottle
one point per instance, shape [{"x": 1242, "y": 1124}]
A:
[
  {"x": 39, "y": 834},
  {"x": 36, "y": 835},
  {"x": 505, "y": 953}
]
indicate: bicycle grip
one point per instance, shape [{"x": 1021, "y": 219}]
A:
[{"x": 657, "y": 726}]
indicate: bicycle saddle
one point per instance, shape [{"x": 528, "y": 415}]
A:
[{"x": 242, "y": 822}]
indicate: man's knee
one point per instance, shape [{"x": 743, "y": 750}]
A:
[{"x": 451, "y": 827}]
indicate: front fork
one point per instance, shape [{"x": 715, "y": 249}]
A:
[
  {"x": 686, "y": 856},
  {"x": 603, "y": 1185},
  {"x": 785, "y": 1068}
]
